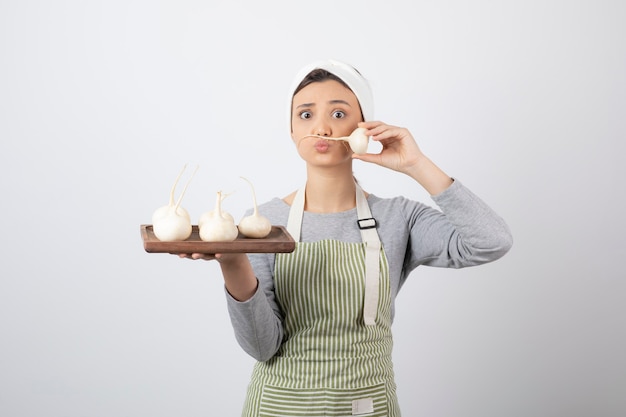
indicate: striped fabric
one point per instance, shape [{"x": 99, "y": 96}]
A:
[
  {"x": 330, "y": 359},
  {"x": 319, "y": 402}
]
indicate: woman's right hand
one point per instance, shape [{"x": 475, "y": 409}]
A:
[
  {"x": 203, "y": 256},
  {"x": 220, "y": 257}
]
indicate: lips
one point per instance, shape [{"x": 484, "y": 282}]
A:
[{"x": 322, "y": 145}]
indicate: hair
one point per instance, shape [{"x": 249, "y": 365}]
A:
[{"x": 317, "y": 76}]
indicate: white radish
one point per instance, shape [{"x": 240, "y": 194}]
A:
[
  {"x": 357, "y": 140},
  {"x": 218, "y": 226},
  {"x": 161, "y": 211},
  {"x": 254, "y": 225},
  {"x": 172, "y": 222},
  {"x": 207, "y": 216}
]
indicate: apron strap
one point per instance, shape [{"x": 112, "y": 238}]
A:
[
  {"x": 367, "y": 225},
  {"x": 296, "y": 212}
]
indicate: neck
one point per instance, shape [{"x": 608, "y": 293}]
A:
[{"x": 329, "y": 193}]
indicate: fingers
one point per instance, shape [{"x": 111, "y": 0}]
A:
[
  {"x": 374, "y": 128},
  {"x": 382, "y": 132},
  {"x": 196, "y": 256},
  {"x": 399, "y": 149}
]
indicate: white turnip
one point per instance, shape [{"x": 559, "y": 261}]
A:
[
  {"x": 254, "y": 225},
  {"x": 207, "y": 216},
  {"x": 172, "y": 222},
  {"x": 218, "y": 226}
]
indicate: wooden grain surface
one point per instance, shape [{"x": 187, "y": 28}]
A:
[{"x": 278, "y": 241}]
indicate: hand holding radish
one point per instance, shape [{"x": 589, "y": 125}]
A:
[{"x": 401, "y": 153}]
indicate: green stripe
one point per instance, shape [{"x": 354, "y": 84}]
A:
[
  {"x": 279, "y": 401},
  {"x": 329, "y": 354},
  {"x": 321, "y": 289}
]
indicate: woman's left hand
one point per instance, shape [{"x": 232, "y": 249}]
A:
[{"x": 399, "y": 151}]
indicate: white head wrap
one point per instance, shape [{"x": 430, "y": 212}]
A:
[{"x": 349, "y": 75}]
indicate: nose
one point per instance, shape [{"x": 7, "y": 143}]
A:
[{"x": 322, "y": 129}]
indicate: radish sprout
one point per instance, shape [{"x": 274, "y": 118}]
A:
[
  {"x": 218, "y": 226},
  {"x": 172, "y": 222},
  {"x": 207, "y": 216},
  {"x": 162, "y": 210},
  {"x": 357, "y": 140},
  {"x": 254, "y": 225}
]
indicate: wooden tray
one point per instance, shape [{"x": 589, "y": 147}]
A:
[{"x": 278, "y": 241}]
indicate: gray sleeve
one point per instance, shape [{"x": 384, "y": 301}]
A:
[
  {"x": 466, "y": 232},
  {"x": 257, "y": 322}
]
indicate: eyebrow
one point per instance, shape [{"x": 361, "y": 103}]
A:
[{"x": 330, "y": 102}]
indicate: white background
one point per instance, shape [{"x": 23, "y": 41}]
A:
[{"x": 103, "y": 102}]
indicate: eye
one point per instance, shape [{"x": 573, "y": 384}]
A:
[
  {"x": 339, "y": 114},
  {"x": 305, "y": 115}
]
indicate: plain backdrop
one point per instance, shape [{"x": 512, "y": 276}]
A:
[{"x": 103, "y": 102}]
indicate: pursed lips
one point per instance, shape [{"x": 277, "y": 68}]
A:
[{"x": 322, "y": 145}]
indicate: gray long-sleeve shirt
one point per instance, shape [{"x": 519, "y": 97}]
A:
[{"x": 466, "y": 232}]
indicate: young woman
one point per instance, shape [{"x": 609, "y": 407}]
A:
[{"x": 318, "y": 320}]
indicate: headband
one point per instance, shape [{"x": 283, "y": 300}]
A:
[{"x": 355, "y": 81}]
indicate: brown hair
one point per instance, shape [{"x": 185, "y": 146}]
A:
[{"x": 316, "y": 76}]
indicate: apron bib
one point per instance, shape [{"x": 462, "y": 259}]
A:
[{"x": 336, "y": 356}]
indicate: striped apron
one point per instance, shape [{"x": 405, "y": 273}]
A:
[{"x": 336, "y": 356}]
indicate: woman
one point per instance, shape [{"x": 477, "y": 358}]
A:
[{"x": 318, "y": 320}]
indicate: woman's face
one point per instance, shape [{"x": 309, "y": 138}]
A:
[{"x": 324, "y": 108}]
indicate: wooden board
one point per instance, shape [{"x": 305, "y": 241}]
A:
[{"x": 278, "y": 241}]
